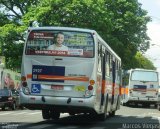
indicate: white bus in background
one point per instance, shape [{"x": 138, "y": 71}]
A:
[
  {"x": 140, "y": 86},
  {"x": 84, "y": 79}
]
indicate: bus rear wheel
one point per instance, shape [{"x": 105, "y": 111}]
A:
[
  {"x": 102, "y": 116},
  {"x": 46, "y": 114},
  {"x": 158, "y": 107},
  {"x": 13, "y": 107},
  {"x": 112, "y": 113},
  {"x": 55, "y": 115},
  {"x": 71, "y": 113}
]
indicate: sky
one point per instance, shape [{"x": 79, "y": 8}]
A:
[{"x": 153, "y": 9}]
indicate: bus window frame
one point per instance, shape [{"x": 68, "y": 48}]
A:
[
  {"x": 141, "y": 80},
  {"x": 41, "y": 30}
]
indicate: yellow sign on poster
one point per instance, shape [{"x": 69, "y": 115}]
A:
[{"x": 2, "y": 61}]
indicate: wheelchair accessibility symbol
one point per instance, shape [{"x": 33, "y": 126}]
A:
[{"x": 36, "y": 88}]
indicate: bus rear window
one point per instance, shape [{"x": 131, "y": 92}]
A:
[
  {"x": 144, "y": 76},
  {"x": 60, "y": 43}
]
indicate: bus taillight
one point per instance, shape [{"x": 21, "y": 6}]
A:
[
  {"x": 24, "y": 83},
  {"x": 90, "y": 87},
  {"x": 130, "y": 91},
  {"x": 23, "y": 78},
  {"x": 92, "y": 82}
]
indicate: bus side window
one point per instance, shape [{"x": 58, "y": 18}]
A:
[
  {"x": 110, "y": 65},
  {"x": 99, "y": 58},
  {"x": 102, "y": 57},
  {"x": 113, "y": 70},
  {"x": 125, "y": 80},
  {"x": 107, "y": 63},
  {"x": 117, "y": 70}
]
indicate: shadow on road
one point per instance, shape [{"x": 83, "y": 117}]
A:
[
  {"x": 88, "y": 122},
  {"x": 85, "y": 122}
]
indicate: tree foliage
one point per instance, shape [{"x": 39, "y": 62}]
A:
[
  {"x": 11, "y": 45},
  {"x": 129, "y": 33},
  {"x": 122, "y": 23},
  {"x": 143, "y": 62}
]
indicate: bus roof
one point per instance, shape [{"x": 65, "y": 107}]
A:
[
  {"x": 141, "y": 69},
  {"x": 62, "y": 28}
]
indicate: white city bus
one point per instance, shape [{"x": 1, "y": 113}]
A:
[
  {"x": 86, "y": 78},
  {"x": 140, "y": 86}
]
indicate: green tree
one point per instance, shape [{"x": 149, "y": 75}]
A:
[
  {"x": 143, "y": 62},
  {"x": 122, "y": 23},
  {"x": 129, "y": 33},
  {"x": 12, "y": 30},
  {"x": 11, "y": 45}
]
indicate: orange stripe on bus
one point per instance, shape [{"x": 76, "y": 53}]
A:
[
  {"x": 120, "y": 90},
  {"x": 29, "y": 75},
  {"x": 54, "y": 77},
  {"x": 124, "y": 90}
]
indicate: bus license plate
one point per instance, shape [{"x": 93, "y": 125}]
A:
[{"x": 57, "y": 87}]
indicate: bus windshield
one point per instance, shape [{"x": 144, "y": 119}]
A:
[
  {"x": 60, "y": 43},
  {"x": 144, "y": 76}
]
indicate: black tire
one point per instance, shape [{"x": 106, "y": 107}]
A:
[
  {"x": 102, "y": 116},
  {"x": 71, "y": 113},
  {"x": 13, "y": 106},
  {"x": 3, "y": 108},
  {"x": 21, "y": 107},
  {"x": 155, "y": 105},
  {"x": 158, "y": 107},
  {"x": 55, "y": 115},
  {"x": 124, "y": 104},
  {"x": 136, "y": 104},
  {"x": 111, "y": 114},
  {"x": 46, "y": 114}
]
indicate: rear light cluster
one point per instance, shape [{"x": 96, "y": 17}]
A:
[
  {"x": 130, "y": 91},
  {"x": 91, "y": 83},
  {"x": 24, "y": 85},
  {"x": 90, "y": 88}
]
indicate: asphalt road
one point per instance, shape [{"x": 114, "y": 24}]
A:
[{"x": 125, "y": 118}]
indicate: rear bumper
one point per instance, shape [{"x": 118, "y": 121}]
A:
[
  {"x": 63, "y": 104},
  {"x": 143, "y": 100}
]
